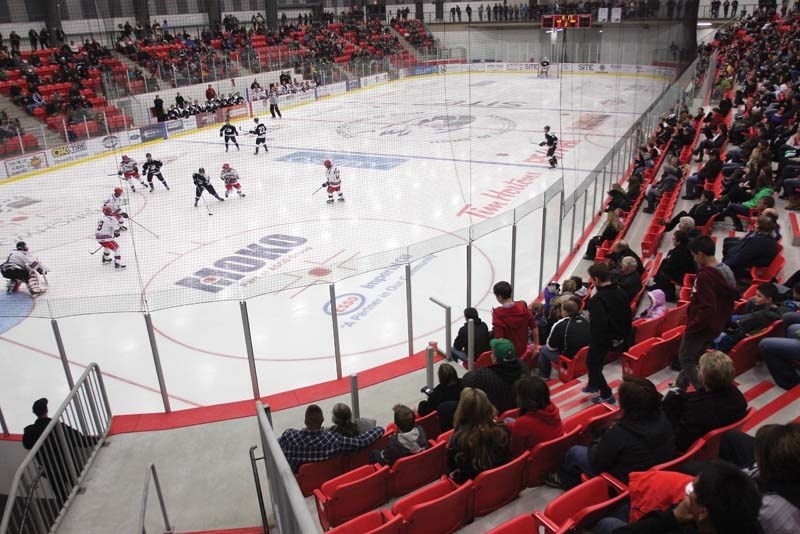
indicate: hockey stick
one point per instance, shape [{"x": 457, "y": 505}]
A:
[
  {"x": 143, "y": 228},
  {"x": 206, "y": 205},
  {"x": 96, "y": 251},
  {"x": 317, "y": 191}
]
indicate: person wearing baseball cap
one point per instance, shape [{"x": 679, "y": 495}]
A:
[
  {"x": 502, "y": 350},
  {"x": 497, "y": 380}
]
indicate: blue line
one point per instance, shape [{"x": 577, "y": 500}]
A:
[{"x": 431, "y": 158}]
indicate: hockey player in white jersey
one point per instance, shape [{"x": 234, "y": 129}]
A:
[
  {"x": 22, "y": 267},
  {"x": 107, "y": 232},
  {"x": 129, "y": 170},
  {"x": 544, "y": 67},
  {"x": 231, "y": 179},
  {"x": 260, "y": 132},
  {"x": 333, "y": 181},
  {"x": 115, "y": 202}
]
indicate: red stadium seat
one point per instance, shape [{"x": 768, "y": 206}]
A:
[
  {"x": 497, "y": 487},
  {"x": 361, "y": 456},
  {"x": 572, "y": 368},
  {"x": 582, "y": 506},
  {"x": 710, "y": 448},
  {"x": 351, "y": 494},
  {"x": 411, "y": 472},
  {"x": 484, "y": 360},
  {"x": 375, "y": 522},
  {"x": 523, "y": 524},
  {"x": 312, "y": 476},
  {"x": 646, "y": 328},
  {"x": 546, "y": 457},
  {"x": 444, "y": 437},
  {"x": 429, "y": 424},
  {"x": 674, "y": 317},
  {"x": 593, "y": 419},
  {"x": 745, "y": 353},
  {"x": 645, "y": 358},
  {"x": 442, "y": 507}
]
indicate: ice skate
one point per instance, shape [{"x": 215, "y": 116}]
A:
[
  {"x": 240, "y": 193},
  {"x": 226, "y": 194},
  {"x": 341, "y": 198},
  {"x": 195, "y": 202},
  {"x": 330, "y": 201},
  {"x": 119, "y": 265},
  {"x": 220, "y": 198},
  {"x": 106, "y": 260}
]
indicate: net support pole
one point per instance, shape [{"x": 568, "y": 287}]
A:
[
  {"x": 560, "y": 227},
  {"x": 162, "y": 386},
  {"x": 354, "y": 404},
  {"x": 430, "y": 352},
  {"x": 513, "y": 256},
  {"x": 335, "y": 325},
  {"x": 409, "y": 311},
  {"x": 541, "y": 248},
  {"x": 62, "y": 353},
  {"x": 471, "y": 344},
  {"x": 248, "y": 341},
  {"x": 469, "y": 273}
]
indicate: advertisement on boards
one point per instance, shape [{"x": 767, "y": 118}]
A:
[
  {"x": 32, "y": 161},
  {"x": 65, "y": 153}
]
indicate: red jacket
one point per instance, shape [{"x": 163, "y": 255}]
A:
[
  {"x": 711, "y": 303},
  {"x": 535, "y": 427},
  {"x": 513, "y": 323}
]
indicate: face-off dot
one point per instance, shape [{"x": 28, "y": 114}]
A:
[{"x": 319, "y": 271}]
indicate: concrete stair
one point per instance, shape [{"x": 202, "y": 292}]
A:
[{"x": 408, "y": 47}]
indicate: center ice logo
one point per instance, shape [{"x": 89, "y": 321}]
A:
[
  {"x": 242, "y": 263},
  {"x": 436, "y": 128}
]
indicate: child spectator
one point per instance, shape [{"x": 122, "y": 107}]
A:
[{"x": 409, "y": 438}]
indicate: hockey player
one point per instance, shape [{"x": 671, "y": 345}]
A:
[
  {"x": 544, "y": 67},
  {"x": 129, "y": 169},
  {"x": 260, "y": 132},
  {"x": 115, "y": 203},
  {"x": 201, "y": 183},
  {"x": 22, "y": 267},
  {"x": 273, "y": 104},
  {"x": 333, "y": 181},
  {"x": 229, "y": 132},
  {"x": 107, "y": 230},
  {"x": 552, "y": 142},
  {"x": 152, "y": 167},
  {"x": 231, "y": 179}
]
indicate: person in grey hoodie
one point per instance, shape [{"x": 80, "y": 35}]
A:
[{"x": 409, "y": 438}]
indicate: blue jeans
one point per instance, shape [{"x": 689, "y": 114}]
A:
[
  {"x": 546, "y": 357},
  {"x": 790, "y": 318},
  {"x": 780, "y": 354},
  {"x": 609, "y": 525},
  {"x": 575, "y": 462},
  {"x": 693, "y": 186},
  {"x": 791, "y": 186},
  {"x": 459, "y": 355}
]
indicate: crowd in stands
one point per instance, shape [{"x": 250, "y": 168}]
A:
[{"x": 502, "y": 408}]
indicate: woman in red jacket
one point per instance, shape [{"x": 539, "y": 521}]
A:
[{"x": 539, "y": 419}]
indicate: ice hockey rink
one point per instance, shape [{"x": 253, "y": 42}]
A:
[{"x": 421, "y": 160}]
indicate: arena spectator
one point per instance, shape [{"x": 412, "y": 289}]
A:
[
  {"x": 756, "y": 249},
  {"x": 676, "y": 264},
  {"x": 657, "y": 307},
  {"x": 513, "y": 320},
  {"x": 538, "y": 420},
  {"x": 570, "y": 334},
  {"x": 481, "y": 336},
  {"x": 478, "y": 443},
  {"x": 695, "y": 182},
  {"x": 709, "y": 309},
  {"x": 642, "y": 438},
  {"x": 497, "y": 380},
  {"x": 314, "y": 444},
  {"x": 610, "y": 231},
  {"x": 716, "y": 403},
  {"x": 628, "y": 279},
  {"x": 720, "y": 500},
  {"x": 409, "y": 438},
  {"x": 610, "y": 327},
  {"x": 757, "y": 314},
  {"x": 343, "y": 423},
  {"x": 700, "y": 212},
  {"x": 444, "y": 397},
  {"x": 781, "y": 356},
  {"x": 620, "y": 250}
]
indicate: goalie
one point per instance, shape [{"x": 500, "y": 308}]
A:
[
  {"x": 22, "y": 266},
  {"x": 544, "y": 67}
]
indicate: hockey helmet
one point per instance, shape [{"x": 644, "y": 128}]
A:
[
  {"x": 21, "y": 245},
  {"x": 328, "y": 163},
  {"x": 124, "y": 158},
  {"x": 546, "y": 128},
  {"x": 201, "y": 170},
  {"x": 255, "y": 120},
  {"x": 148, "y": 155},
  {"x": 107, "y": 210},
  {"x": 226, "y": 166},
  {"x": 117, "y": 191}
]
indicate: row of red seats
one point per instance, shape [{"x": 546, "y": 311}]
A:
[{"x": 11, "y": 147}]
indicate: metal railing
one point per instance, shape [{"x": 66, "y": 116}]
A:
[
  {"x": 168, "y": 528},
  {"x": 49, "y": 476},
  {"x": 288, "y": 505}
]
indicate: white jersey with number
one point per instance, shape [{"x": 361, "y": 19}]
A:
[
  {"x": 23, "y": 259},
  {"x": 230, "y": 176},
  {"x": 129, "y": 168},
  {"x": 106, "y": 227},
  {"x": 332, "y": 177}
]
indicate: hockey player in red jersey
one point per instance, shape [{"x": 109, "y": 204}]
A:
[
  {"x": 231, "y": 179},
  {"x": 107, "y": 230},
  {"x": 115, "y": 203},
  {"x": 333, "y": 181},
  {"x": 128, "y": 170}
]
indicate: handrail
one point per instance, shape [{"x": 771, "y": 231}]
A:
[
  {"x": 3, "y": 424},
  {"x": 62, "y": 454},
  {"x": 288, "y": 505},
  {"x": 151, "y": 470},
  {"x": 448, "y": 327}
]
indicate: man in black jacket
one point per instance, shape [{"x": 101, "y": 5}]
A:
[
  {"x": 569, "y": 335},
  {"x": 628, "y": 279},
  {"x": 497, "y": 380},
  {"x": 610, "y": 321},
  {"x": 694, "y": 183},
  {"x": 482, "y": 336}
]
